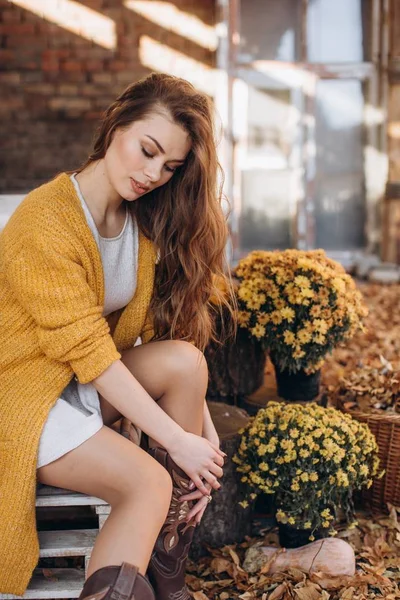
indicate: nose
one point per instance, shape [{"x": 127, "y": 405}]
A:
[{"x": 152, "y": 172}]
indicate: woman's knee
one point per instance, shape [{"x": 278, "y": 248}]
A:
[
  {"x": 148, "y": 480},
  {"x": 185, "y": 359}
]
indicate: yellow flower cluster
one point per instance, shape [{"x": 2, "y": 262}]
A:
[
  {"x": 299, "y": 304},
  {"x": 311, "y": 458}
]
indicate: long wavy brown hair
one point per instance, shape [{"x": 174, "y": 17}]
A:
[{"x": 184, "y": 217}]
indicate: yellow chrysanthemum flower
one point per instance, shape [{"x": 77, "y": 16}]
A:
[
  {"x": 288, "y": 314},
  {"x": 302, "y": 281},
  {"x": 304, "y": 336},
  {"x": 245, "y": 293},
  {"x": 243, "y": 317},
  {"x": 258, "y": 331},
  {"x": 263, "y": 318},
  {"x": 289, "y": 337},
  {"x": 276, "y": 317}
]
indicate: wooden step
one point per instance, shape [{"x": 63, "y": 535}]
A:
[
  {"x": 58, "y": 583},
  {"x": 71, "y": 542},
  {"x": 51, "y": 496}
]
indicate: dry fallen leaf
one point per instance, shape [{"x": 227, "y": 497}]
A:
[
  {"x": 200, "y": 596},
  {"x": 308, "y": 593},
  {"x": 278, "y": 592},
  {"x": 368, "y": 369},
  {"x": 49, "y": 574}
]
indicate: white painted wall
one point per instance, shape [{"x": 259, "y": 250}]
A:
[{"x": 8, "y": 203}]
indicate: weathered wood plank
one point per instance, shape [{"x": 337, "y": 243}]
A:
[
  {"x": 73, "y": 499},
  {"x": 72, "y": 542},
  {"x": 63, "y": 583}
]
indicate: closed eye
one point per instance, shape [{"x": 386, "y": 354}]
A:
[{"x": 148, "y": 155}]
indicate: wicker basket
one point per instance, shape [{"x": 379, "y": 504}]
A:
[{"x": 386, "y": 429}]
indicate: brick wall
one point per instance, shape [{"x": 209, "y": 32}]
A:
[{"x": 55, "y": 83}]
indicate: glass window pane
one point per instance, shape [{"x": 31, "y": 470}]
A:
[
  {"x": 270, "y": 30},
  {"x": 336, "y": 30},
  {"x": 266, "y": 216},
  {"x": 271, "y": 127},
  {"x": 339, "y": 183}
]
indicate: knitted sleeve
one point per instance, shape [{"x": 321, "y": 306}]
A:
[
  {"x": 51, "y": 285},
  {"x": 147, "y": 333}
]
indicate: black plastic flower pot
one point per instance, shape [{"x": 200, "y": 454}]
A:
[
  {"x": 290, "y": 537},
  {"x": 297, "y": 387}
]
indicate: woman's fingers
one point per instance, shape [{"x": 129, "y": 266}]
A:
[
  {"x": 194, "y": 495},
  {"x": 200, "y": 485},
  {"x": 211, "y": 479},
  {"x": 216, "y": 470},
  {"x": 218, "y": 460},
  {"x": 200, "y": 514},
  {"x": 200, "y": 506},
  {"x": 218, "y": 450}
]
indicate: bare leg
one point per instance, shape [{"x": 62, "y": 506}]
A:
[
  {"x": 138, "y": 489},
  {"x": 175, "y": 374},
  {"x": 133, "y": 483}
]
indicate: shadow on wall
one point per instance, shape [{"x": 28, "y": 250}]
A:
[{"x": 62, "y": 66}]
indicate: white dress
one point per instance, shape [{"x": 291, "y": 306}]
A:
[{"x": 76, "y": 415}]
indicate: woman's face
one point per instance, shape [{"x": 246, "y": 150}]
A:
[{"x": 145, "y": 155}]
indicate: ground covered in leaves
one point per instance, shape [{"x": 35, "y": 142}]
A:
[{"x": 364, "y": 372}]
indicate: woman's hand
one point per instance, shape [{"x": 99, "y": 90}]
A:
[
  {"x": 199, "y": 458},
  {"x": 210, "y": 433},
  {"x": 197, "y": 511}
]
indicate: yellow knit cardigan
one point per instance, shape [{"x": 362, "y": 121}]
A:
[{"x": 51, "y": 326}]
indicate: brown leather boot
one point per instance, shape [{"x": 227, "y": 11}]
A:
[
  {"x": 117, "y": 583},
  {"x": 167, "y": 566}
]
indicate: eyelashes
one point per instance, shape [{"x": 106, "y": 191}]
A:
[{"x": 148, "y": 155}]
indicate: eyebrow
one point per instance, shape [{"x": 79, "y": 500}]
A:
[{"x": 161, "y": 149}]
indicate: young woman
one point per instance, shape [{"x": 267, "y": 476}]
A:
[{"x": 128, "y": 246}]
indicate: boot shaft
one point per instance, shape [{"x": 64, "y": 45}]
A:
[{"x": 117, "y": 583}]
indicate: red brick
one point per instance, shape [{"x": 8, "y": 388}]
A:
[
  {"x": 5, "y": 56},
  {"x": 53, "y": 54},
  {"x": 33, "y": 77},
  {"x": 12, "y": 103},
  {"x": 102, "y": 78},
  {"x": 117, "y": 65},
  {"x": 126, "y": 77},
  {"x": 90, "y": 89},
  {"x": 17, "y": 28},
  {"x": 45, "y": 89},
  {"x": 32, "y": 65},
  {"x": 71, "y": 66},
  {"x": 60, "y": 103},
  {"x": 94, "y": 4},
  {"x": 10, "y": 77},
  {"x": 12, "y": 15},
  {"x": 72, "y": 76},
  {"x": 94, "y": 65},
  {"x": 30, "y": 42},
  {"x": 50, "y": 65},
  {"x": 94, "y": 115},
  {"x": 68, "y": 89}
]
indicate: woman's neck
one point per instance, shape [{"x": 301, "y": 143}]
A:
[{"x": 102, "y": 200}]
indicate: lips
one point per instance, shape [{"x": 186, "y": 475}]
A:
[{"x": 137, "y": 187}]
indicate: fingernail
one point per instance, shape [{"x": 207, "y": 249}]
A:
[{"x": 191, "y": 485}]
